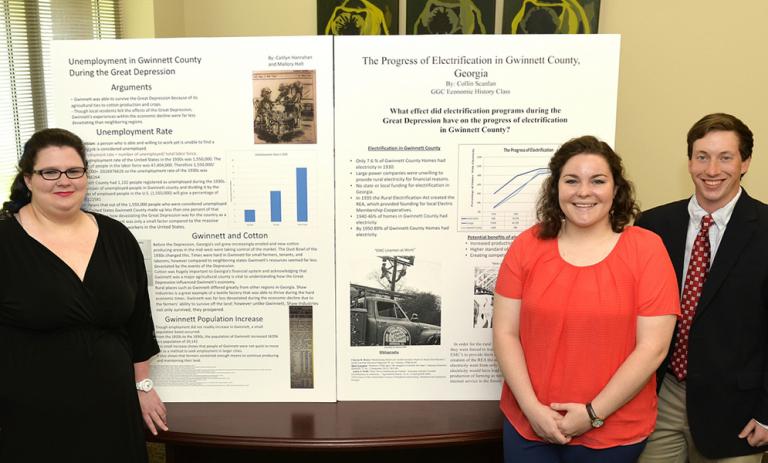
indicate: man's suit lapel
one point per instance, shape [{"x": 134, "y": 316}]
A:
[{"x": 738, "y": 233}]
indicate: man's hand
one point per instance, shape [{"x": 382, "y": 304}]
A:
[{"x": 755, "y": 434}]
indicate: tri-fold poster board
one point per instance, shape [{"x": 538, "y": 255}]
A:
[{"x": 322, "y": 218}]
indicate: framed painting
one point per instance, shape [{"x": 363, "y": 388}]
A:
[
  {"x": 550, "y": 16},
  {"x": 450, "y": 17}
]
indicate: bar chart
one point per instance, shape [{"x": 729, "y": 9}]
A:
[{"x": 271, "y": 189}]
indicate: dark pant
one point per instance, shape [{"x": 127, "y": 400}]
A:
[{"x": 517, "y": 449}]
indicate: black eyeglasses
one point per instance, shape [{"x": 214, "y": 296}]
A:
[{"x": 55, "y": 174}]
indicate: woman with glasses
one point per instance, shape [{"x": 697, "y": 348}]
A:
[{"x": 76, "y": 332}]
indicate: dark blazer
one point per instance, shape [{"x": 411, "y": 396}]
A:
[{"x": 727, "y": 381}]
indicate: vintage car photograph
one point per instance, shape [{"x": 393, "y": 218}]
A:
[{"x": 377, "y": 318}]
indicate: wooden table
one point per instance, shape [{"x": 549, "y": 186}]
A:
[{"x": 334, "y": 432}]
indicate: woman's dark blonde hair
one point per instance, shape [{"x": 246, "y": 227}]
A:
[{"x": 548, "y": 212}]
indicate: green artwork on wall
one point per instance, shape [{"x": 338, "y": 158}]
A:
[
  {"x": 357, "y": 17},
  {"x": 550, "y": 16},
  {"x": 450, "y": 17}
]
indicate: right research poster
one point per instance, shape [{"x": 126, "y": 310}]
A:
[{"x": 441, "y": 146}]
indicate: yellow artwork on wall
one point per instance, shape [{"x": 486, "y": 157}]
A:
[
  {"x": 550, "y": 16},
  {"x": 357, "y": 17},
  {"x": 450, "y": 16}
]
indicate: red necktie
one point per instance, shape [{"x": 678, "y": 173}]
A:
[{"x": 698, "y": 268}]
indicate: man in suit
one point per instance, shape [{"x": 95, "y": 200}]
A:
[{"x": 713, "y": 387}]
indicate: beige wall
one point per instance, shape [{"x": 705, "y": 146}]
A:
[
  {"x": 169, "y": 19},
  {"x": 229, "y": 18},
  {"x": 137, "y": 18},
  {"x": 680, "y": 60}
]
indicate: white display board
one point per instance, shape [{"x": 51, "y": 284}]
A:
[
  {"x": 442, "y": 143},
  {"x": 234, "y": 211},
  {"x": 323, "y": 218}
]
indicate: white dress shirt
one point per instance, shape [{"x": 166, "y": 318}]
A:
[{"x": 716, "y": 231}]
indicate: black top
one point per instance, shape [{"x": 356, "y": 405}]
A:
[{"x": 67, "y": 349}]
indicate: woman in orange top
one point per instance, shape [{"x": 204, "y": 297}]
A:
[{"x": 584, "y": 310}]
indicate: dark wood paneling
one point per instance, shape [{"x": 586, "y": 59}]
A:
[{"x": 338, "y": 432}]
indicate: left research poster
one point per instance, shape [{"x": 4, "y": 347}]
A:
[{"x": 217, "y": 154}]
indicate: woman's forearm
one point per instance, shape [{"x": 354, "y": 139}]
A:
[
  {"x": 509, "y": 355},
  {"x": 509, "y": 350},
  {"x": 653, "y": 336},
  {"x": 141, "y": 370}
]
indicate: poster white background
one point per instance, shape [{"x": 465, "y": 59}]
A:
[
  {"x": 175, "y": 154},
  {"x": 441, "y": 146},
  {"x": 430, "y": 162}
]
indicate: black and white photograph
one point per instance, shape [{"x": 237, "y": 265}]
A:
[
  {"x": 393, "y": 303},
  {"x": 485, "y": 282},
  {"x": 301, "y": 342},
  {"x": 284, "y": 107}
]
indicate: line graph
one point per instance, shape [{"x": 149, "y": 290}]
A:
[
  {"x": 499, "y": 185},
  {"x": 532, "y": 174}
]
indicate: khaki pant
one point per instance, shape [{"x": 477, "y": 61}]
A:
[{"x": 671, "y": 441}]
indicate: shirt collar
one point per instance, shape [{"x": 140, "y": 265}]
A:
[{"x": 720, "y": 216}]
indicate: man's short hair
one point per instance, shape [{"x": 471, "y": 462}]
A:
[{"x": 722, "y": 122}]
